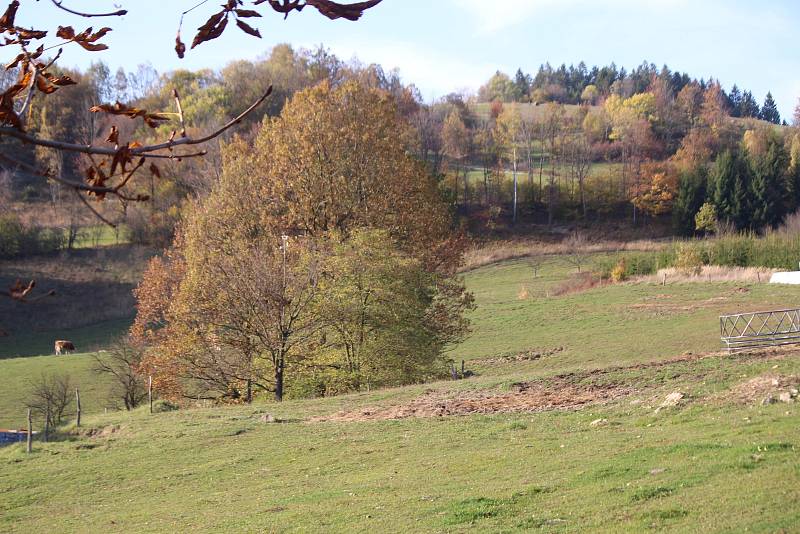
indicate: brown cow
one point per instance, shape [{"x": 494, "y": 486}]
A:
[{"x": 64, "y": 347}]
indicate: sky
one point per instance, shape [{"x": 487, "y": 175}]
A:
[{"x": 456, "y": 45}]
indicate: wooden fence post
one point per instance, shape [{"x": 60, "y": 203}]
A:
[
  {"x": 78, "y": 404},
  {"x": 29, "y": 447},
  {"x": 150, "y": 392},
  {"x": 462, "y": 369}
]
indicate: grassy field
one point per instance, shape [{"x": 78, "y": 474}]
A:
[
  {"x": 86, "y": 338},
  {"x": 18, "y": 373},
  {"x": 564, "y": 432},
  {"x": 101, "y": 235}
]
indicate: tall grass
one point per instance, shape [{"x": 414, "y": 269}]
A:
[{"x": 777, "y": 250}]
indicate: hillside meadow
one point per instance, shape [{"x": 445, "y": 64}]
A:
[{"x": 561, "y": 428}]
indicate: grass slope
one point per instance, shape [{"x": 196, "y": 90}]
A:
[
  {"x": 713, "y": 463},
  {"x": 18, "y": 373},
  {"x": 708, "y": 466}
]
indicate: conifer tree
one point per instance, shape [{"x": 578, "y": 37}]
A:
[
  {"x": 748, "y": 106},
  {"x": 730, "y": 180},
  {"x": 735, "y": 100},
  {"x": 769, "y": 111},
  {"x": 769, "y": 188},
  {"x": 691, "y": 195}
]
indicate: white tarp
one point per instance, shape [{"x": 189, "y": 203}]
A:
[{"x": 792, "y": 277}]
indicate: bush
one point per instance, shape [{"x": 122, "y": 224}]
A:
[
  {"x": 16, "y": 240},
  {"x": 618, "y": 273},
  {"x": 689, "y": 261}
]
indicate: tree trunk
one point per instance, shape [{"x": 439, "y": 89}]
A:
[
  {"x": 466, "y": 186},
  {"x": 514, "y": 219},
  {"x": 279, "y": 381}
]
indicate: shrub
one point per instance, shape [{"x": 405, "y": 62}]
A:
[
  {"x": 618, "y": 273},
  {"x": 706, "y": 219},
  {"x": 16, "y": 240},
  {"x": 689, "y": 261}
]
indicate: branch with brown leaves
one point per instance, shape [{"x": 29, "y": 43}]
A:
[
  {"x": 119, "y": 162},
  {"x": 215, "y": 26},
  {"x": 20, "y": 292}
]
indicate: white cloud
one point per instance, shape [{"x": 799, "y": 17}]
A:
[{"x": 433, "y": 72}]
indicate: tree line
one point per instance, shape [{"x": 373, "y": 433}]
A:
[
  {"x": 621, "y": 152},
  {"x": 580, "y": 84}
]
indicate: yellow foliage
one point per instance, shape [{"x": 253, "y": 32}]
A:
[
  {"x": 658, "y": 197},
  {"x": 618, "y": 272}
]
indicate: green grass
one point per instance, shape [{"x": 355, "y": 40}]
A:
[
  {"x": 19, "y": 372},
  {"x": 710, "y": 464},
  {"x": 613, "y": 325},
  {"x": 85, "y": 338},
  {"x": 222, "y": 470},
  {"x": 101, "y": 235}
]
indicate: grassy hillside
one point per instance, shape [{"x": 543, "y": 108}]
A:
[
  {"x": 562, "y": 429},
  {"x": 93, "y": 302},
  {"x": 18, "y": 373}
]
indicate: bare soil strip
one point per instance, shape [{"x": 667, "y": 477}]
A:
[{"x": 566, "y": 391}]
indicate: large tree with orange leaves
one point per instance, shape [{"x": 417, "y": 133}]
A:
[{"x": 244, "y": 302}]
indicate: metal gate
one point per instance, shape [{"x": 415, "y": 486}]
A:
[{"x": 755, "y": 330}]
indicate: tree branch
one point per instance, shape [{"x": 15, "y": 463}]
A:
[
  {"x": 140, "y": 151},
  {"x": 91, "y": 208},
  {"x": 118, "y": 13}
]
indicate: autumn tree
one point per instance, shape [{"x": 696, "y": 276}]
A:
[
  {"x": 456, "y": 140},
  {"x": 379, "y": 309},
  {"x": 508, "y": 133},
  {"x": 245, "y": 310},
  {"x": 38, "y": 78}
]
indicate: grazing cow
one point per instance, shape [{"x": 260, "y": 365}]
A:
[{"x": 64, "y": 347}]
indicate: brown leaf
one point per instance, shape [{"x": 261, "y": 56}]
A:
[
  {"x": 246, "y": 28},
  {"x": 113, "y": 136},
  {"x": 44, "y": 86},
  {"x": 7, "y": 20},
  {"x": 92, "y": 47},
  {"x": 98, "y": 34},
  {"x": 30, "y": 34},
  {"x": 154, "y": 170},
  {"x": 15, "y": 61},
  {"x": 212, "y": 29},
  {"x": 180, "y": 47},
  {"x": 246, "y": 13},
  {"x": 334, "y": 10},
  {"x": 65, "y": 32},
  {"x": 62, "y": 81}
]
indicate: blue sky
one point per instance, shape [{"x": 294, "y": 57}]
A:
[{"x": 447, "y": 45}]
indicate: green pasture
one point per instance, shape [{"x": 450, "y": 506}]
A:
[{"x": 716, "y": 462}]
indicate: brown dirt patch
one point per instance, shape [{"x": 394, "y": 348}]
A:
[
  {"x": 567, "y": 391},
  {"x": 763, "y": 388},
  {"x": 561, "y": 392}
]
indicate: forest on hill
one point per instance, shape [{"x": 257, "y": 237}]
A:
[{"x": 568, "y": 145}]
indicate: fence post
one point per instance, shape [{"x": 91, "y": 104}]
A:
[
  {"x": 78, "y": 404},
  {"x": 29, "y": 447},
  {"x": 150, "y": 392},
  {"x": 462, "y": 369}
]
